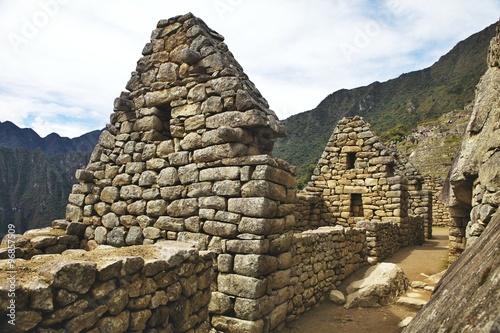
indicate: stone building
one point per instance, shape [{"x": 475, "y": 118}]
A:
[
  {"x": 187, "y": 157},
  {"x": 358, "y": 179}
]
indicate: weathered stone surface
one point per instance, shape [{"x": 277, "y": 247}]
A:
[
  {"x": 381, "y": 285},
  {"x": 242, "y": 286},
  {"x": 183, "y": 207},
  {"x": 119, "y": 323},
  {"x": 261, "y": 226},
  {"x": 253, "y": 309},
  {"x": 116, "y": 237},
  {"x": 230, "y": 324},
  {"x": 86, "y": 320},
  {"x": 474, "y": 176},
  {"x": 255, "y": 207},
  {"x": 479, "y": 263},
  {"x": 255, "y": 265},
  {"x": 337, "y": 297},
  {"x": 41, "y": 295},
  {"x": 72, "y": 275},
  {"x": 222, "y": 229}
]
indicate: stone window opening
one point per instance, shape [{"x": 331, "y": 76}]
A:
[
  {"x": 389, "y": 169},
  {"x": 350, "y": 160},
  {"x": 357, "y": 205},
  {"x": 165, "y": 115}
]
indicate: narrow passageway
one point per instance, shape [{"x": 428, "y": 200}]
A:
[{"x": 418, "y": 262}]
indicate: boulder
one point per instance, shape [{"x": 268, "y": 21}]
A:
[
  {"x": 466, "y": 298},
  {"x": 381, "y": 285}
]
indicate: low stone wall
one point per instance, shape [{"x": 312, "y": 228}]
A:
[
  {"x": 321, "y": 259},
  {"x": 60, "y": 237},
  {"x": 164, "y": 287},
  {"x": 382, "y": 239},
  {"x": 311, "y": 212}
]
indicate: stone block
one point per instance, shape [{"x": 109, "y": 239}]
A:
[
  {"x": 261, "y": 226},
  {"x": 227, "y": 217},
  {"x": 172, "y": 192},
  {"x": 213, "y": 202},
  {"x": 148, "y": 123},
  {"x": 253, "y": 309},
  {"x": 226, "y": 134},
  {"x": 230, "y": 324},
  {"x": 254, "y": 207},
  {"x": 278, "y": 315},
  {"x": 242, "y": 286},
  {"x": 220, "y": 303},
  {"x": 254, "y": 265},
  {"x": 183, "y": 207},
  {"x": 264, "y": 188},
  {"x": 76, "y": 199},
  {"x": 178, "y": 158},
  {"x": 156, "y": 207},
  {"x": 168, "y": 177},
  {"x": 188, "y": 174},
  {"x": 72, "y": 275},
  {"x": 110, "y": 220},
  {"x": 169, "y": 223},
  {"x": 131, "y": 192},
  {"x": 225, "y": 263},
  {"x": 165, "y": 148},
  {"x": 267, "y": 172},
  {"x": 137, "y": 207},
  {"x": 116, "y": 237},
  {"x": 219, "y": 152},
  {"x": 199, "y": 240},
  {"x": 220, "y": 173},
  {"x": 222, "y": 229},
  {"x": 162, "y": 97},
  {"x": 191, "y": 141}
]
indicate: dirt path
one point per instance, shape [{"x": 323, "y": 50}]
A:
[{"x": 418, "y": 262}]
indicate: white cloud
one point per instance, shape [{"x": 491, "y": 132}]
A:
[{"x": 63, "y": 74}]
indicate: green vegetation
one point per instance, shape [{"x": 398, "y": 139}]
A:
[{"x": 393, "y": 108}]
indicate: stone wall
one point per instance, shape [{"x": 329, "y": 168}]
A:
[
  {"x": 359, "y": 178},
  {"x": 164, "y": 287},
  {"x": 440, "y": 213},
  {"x": 472, "y": 188},
  {"x": 382, "y": 239},
  {"x": 311, "y": 212},
  {"x": 321, "y": 259}
]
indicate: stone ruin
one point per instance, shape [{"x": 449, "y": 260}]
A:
[
  {"x": 472, "y": 192},
  {"x": 360, "y": 181},
  {"x": 472, "y": 188},
  {"x": 183, "y": 221}
]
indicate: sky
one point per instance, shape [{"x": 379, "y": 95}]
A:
[{"x": 63, "y": 62}]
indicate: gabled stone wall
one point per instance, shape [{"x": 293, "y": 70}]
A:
[
  {"x": 187, "y": 157},
  {"x": 359, "y": 178}
]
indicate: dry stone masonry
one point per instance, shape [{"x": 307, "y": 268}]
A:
[
  {"x": 165, "y": 287},
  {"x": 361, "y": 181},
  {"x": 186, "y": 159},
  {"x": 472, "y": 189}
]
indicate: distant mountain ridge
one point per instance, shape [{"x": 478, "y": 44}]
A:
[
  {"x": 394, "y": 107},
  {"x": 36, "y": 174},
  {"x": 11, "y": 136}
]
